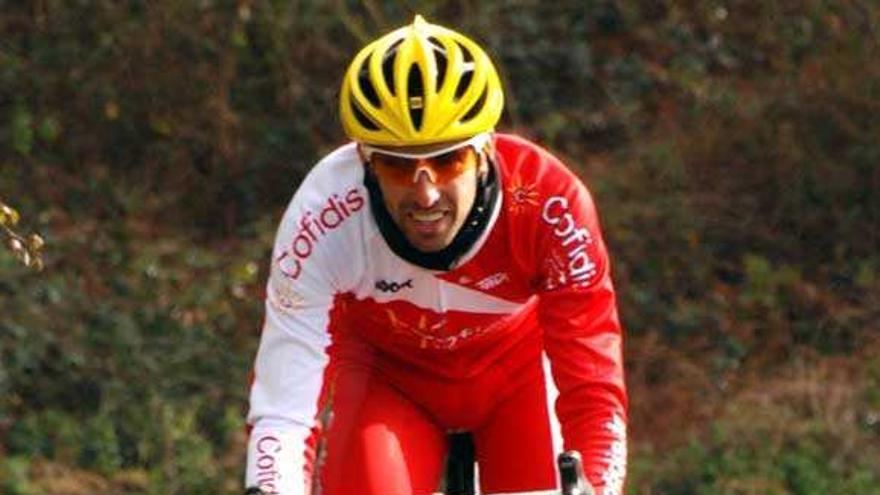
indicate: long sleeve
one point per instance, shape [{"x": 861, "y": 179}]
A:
[
  {"x": 290, "y": 363},
  {"x": 306, "y": 279},
  {"x": 583, "y": 338}
]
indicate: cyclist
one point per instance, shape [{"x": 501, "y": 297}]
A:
[{"x": 435, "y": 276}]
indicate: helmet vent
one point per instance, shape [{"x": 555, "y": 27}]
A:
[
  {"x": 478, "y": 106},
  {"x": 437, "y": 44},
  {"x": 416, "y": 91},
  {"x": 464, "y": 83},
  {"x": 392, "y": 49},
  {"x": 440, "y": 60},
  {"x": 468, "y": 56},
  {"x": 367, "y": 86},
  {"x": 388, "y": 66},
  {"x": 363, "y": 119}
]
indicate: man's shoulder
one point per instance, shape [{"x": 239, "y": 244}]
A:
[
  {"x": 323, "y": 224},
  {"x": 551, "y": 215},
  {"x": 524, "y": 164},
  {"x": 327, "y": 202},
  {"x": 340, "y": 166},
  {"x": 334, "y": 183},
  {"x": 514, "y": 145},
  {"x": 525, "y": 157}
]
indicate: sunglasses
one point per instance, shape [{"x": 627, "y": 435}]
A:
[{"x": 442, "y": 165}]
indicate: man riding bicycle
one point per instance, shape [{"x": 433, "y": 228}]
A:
[{"x": 433, "y": 276}]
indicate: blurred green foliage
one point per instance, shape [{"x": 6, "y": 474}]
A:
[
  {"x": 731, "y": 146},
  {"x": 731, "y": 465},
  {"x": 801, "y": 433}
]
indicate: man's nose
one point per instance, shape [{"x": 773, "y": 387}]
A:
[{"x": 426, "y": 191}]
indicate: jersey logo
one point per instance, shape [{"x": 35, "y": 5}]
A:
[
  {"x": 393, "y": 287},
  {"x": 523, "y": 196},
  {"x": 315, "y": 226},
  {"x": 433, "y": 334},
  {"x": 286, "y": 295},
  {"x": 268, "y": 450},
  {"x": 576, "y": 242},
  {"x": 493, "y": 281}
]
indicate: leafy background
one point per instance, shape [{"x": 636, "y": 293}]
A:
[{"x": 732, "y": 147}]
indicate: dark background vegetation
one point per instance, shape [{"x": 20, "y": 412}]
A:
[{"x": 732, "y": 147}]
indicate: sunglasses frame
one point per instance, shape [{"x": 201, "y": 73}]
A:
[{"x": 478, "y": 142}]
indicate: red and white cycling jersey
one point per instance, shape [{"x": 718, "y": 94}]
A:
[{"x": 539, "y": 273}]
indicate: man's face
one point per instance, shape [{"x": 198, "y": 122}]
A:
[{"x": 430, "y": 208}]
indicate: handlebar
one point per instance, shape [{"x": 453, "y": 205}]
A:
[{"x": 571, "y": 474}]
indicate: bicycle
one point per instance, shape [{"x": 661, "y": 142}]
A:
[
  {"x": 571, "y": 476},
  {"x": 461, "y": 476},
  {"x": 460, "y": 472}
]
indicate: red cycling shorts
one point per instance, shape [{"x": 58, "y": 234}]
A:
[{"x": 386, "y": 431}]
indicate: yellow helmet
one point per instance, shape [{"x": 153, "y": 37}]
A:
[{"x": 420, "y": 84}]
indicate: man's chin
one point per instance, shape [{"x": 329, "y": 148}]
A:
[
  {"x": 429, "y": 246},
  {"x": 430, "y": 238}
]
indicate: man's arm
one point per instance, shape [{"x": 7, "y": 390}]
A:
[
  {"x": 289, "y": 368},
  {"x": 582, "y": 337}
]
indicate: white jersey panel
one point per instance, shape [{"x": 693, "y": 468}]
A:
[{"x": 314, "y": 258}]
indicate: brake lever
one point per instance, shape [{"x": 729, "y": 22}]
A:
[{"x": 571, "y": 473}]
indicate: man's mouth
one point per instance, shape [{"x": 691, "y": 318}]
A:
[
  {"x": 429, "y": 223},
  {"x": 427, "y": 216}
]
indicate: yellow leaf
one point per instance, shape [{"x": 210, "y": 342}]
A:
[
  {"x": 8, "y": 215},
  {"x": 111, "y": 110},
  {"x": 35, "y": 242}
]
